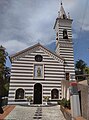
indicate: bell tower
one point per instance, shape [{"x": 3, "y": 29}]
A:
[{"x": 64, "y": 45}]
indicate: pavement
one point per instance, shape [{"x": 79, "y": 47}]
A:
[
  {"x": 35, "y": 113},
  {"x": 7, "y": 109}
]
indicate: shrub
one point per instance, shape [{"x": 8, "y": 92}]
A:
[
  {"x": 46, "y": 98},
  {"x": 65, "y": 103},
  {"x": 59, "y": 102},
  {"x": 29, "y": 98},
  {"x": 4, "y": 101},
  {"x": 68, "y": 104}
]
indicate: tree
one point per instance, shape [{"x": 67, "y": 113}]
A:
[
  {"x": 4, "y": 75},
  {"x": 80, "y": 66},
  {"x": 87, "y": 70},
  {"x": 80, "y": 69},
  {"x": 6, "y": 80},
  {"x": 2, "y": 66}
]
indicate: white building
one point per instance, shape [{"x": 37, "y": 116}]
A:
[{"x": 38, "y": 72}]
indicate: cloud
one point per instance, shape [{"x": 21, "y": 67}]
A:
[
  {"x": 26, "y": 22},
  {"x": 29, "y": 21},
  {"x": 74, "y": 36},
  {"x": 13, "y": 45}
]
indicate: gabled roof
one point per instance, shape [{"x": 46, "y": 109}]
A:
[{"x": 30, "y": 49}]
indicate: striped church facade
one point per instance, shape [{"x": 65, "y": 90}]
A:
[
  {"x": 39, "y": 73},
  {"x": 22, "y": 74}
]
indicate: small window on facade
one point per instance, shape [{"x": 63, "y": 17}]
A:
[
  {"x": 65, "y": 36},
  {"x": 67, "y": 76},
  {"x": 19, "y": 94},
  {"x": 38, "y": 58},
  {"x": 54, "y": 94}
]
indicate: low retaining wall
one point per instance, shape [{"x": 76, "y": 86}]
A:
[{"x": 67, "y": 114}]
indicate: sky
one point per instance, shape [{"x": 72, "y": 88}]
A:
[{"x": 26, "y": 22}]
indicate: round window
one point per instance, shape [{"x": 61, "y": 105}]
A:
[{"x": 38, "y": 58}]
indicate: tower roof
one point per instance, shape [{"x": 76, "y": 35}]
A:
[
  {"x": 2, "y": 48},
  {"x": 62, "y": 16},
  {"x": 62, "y": 13}
]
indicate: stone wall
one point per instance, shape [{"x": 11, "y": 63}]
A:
[
  {"x": 66, "y": 113},
  {"x": 83, "y": 96},
  {"x": 68, "y": 116}
]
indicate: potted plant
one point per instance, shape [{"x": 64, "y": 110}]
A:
[
  {"x": 29, "y": 99},
  {"x": 46, "y": 99}
]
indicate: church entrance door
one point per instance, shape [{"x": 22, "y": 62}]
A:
[{"x": 37, "y": 93}]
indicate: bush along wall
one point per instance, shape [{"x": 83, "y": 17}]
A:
[{"x": 65, "y": 103}]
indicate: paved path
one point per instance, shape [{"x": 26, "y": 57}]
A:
[
  {"x": 7, "y": 109},
  {"x": 35, "y": 113}
]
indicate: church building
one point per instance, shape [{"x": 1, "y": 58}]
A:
[{"x": 37, "y": 72}]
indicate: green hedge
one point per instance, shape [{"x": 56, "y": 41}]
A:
[{"x": 4, "y": 101}]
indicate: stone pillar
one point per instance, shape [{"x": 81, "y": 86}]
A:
[
  {"x": 88, "y": 105},
  {"x": 65, "y": 91},
  {"x": 68, "y": 94},
  {"x": 74, "y": 99},
  {"x": 62, "y": 89},
  {"x": 88, "y": 99}
]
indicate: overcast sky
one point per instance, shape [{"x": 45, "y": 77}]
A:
[{"x": 27, "y": 22}]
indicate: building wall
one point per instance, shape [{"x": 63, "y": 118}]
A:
[
  {"x": 22, "y": 74},
  {"x": 83, "y": 90},
  {"x": 84, "y": 100}
]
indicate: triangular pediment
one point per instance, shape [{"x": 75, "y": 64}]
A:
[{"x": 37, "y": 47}]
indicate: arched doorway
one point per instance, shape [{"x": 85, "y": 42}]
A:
[
  {"x": 19, "y": 94},
  {"x": 37, "y": 93},
  {"x": 54, "y": 94}
]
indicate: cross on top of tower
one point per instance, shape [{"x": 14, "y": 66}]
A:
[{"x": 61, "y": 2}]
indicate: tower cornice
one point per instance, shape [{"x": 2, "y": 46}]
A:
[{"x": 61, "y": 20}]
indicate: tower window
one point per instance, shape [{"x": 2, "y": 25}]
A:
[
  {"x": 67, "y": 76},
  {"x": 65, "y": 36},
  {"x": 64, "y": 17},
  {"x": 57, "y": 36}
]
